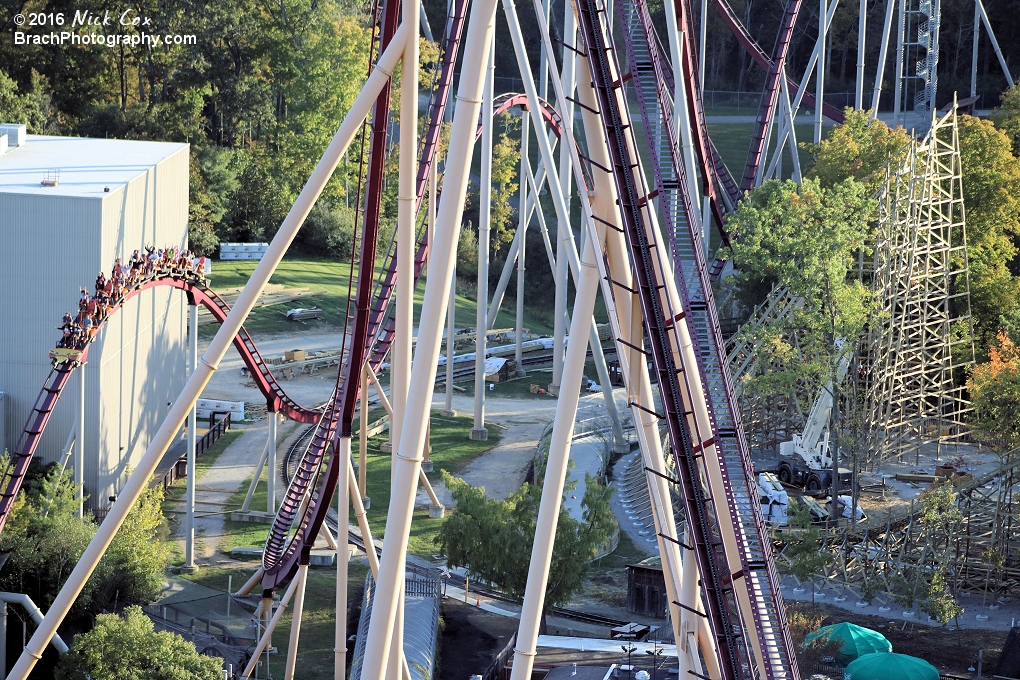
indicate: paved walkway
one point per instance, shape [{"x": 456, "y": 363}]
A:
[
  {"x": 1003, "y": 617},
  {"x": 217, "y": 484}
]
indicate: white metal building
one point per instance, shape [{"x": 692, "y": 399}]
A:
[{"x": 111, "y": 197}]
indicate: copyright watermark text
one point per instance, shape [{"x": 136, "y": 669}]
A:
[{"x": 86, "y": 27}]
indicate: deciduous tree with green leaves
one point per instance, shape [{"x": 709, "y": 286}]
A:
[
  {"x": 991, "y": 197},
  {"x": 47, "y": 539},
  {"x": 128, "y": 647},
  {"x": 806, "y": 239},
  {"x": 857, "y": 148},
  {"x": 493, "y": 539}
]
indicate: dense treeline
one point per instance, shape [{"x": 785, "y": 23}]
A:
[{"x": 728, "y": 67}]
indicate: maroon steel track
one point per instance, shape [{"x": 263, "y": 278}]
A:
[
  {"x": 198, "y": 293},
  {"x": 381, "y": 327},
  {"x": 770, "y": 95},
  {"x": 317, "y": 475},
  {"x": 762, "y": 59}
]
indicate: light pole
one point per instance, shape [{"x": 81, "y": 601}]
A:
[
  {"x": 629, "y": 649},
  {"x": 656, "y": 655}
]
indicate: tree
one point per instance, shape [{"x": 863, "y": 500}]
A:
[
  {"x": 804, "y": 556},
  {"x": 805, "y": 239},
  {"x": 859, "y": 148},
  {"x": 991, "y": 186},
  {"x": 28, "y": 108},
  {"x": 1007, "y": 116},
  {"x": 129, "y": 648},
  {"x": 47, "y": 539},
  {"x": 493, "y": 539},
  {"x": 995, "y": 390},
  {"x": 506, "y": 162},
  {"x": 939, "y": 602}
]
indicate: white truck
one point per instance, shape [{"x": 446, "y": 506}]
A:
[{"x": 806, "y": 460}]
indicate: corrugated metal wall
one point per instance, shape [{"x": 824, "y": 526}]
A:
[
  {"x": 50, "y": 246},
  {"x": 143, "y": 349}
]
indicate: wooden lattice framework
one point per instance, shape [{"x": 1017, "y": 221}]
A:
[
  {"x": 920, "y": 333},
  {"x": 979, "y": 551}
]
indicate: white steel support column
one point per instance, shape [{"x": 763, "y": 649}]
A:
[
  {"x": 883, "y": 51},
  {"x": 79, "y": 446},
  {"x": 343, "y": 509},
  {"x": 702, "y": 43},
  {"x": 522, "y": 228},
  {"x": 405, "y": 272},
  {"x": 273, "y": 419},
  {"x": 363, "y": 445},
  {"x": 295, "y": 622},
  {"x": 504, "y": 276},
  {"x": 478, "y": 431},
  {"x": 564, "y": 234},
  {"x": 995, "y": 43},
  {"x": 898, "y": 107},
  {"x": 820, "y": 70},
  {"x": 139, "y": 479},
  {"x": 862, "y": 27},
  {"x": 451, "y": 315},
  {"x": 267, "y": 635},
  {"x": 189, "y": 534},
  {"x": 423, "y": 370},
  {"x": 400, "y": 355},
  {"x": 556, "y": 469},
  {"x": 681, "y": 114},
  {"x": 974, "y": 50}
]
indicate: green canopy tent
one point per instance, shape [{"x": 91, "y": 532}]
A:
[
  {"x": 889, "y": 666},
  {"x": 857, "y": 641}
]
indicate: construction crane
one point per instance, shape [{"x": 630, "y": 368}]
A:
[{"x": 806, "y": 460}]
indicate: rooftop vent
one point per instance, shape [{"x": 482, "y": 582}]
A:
[{"x": 16, "y": 133}]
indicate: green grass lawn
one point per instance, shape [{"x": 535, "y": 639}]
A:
[
  {"x": 330, "y": 276},
  {"x": 734, "y": 139},
  {"x": 315, "y": 656},
  {"x": 452, "y": 450}
]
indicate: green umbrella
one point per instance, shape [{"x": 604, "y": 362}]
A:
[
  {"x": 857, "y": 641},
  {"x": 890, "y": 667}
]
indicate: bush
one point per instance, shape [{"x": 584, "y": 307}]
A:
[
  {"x": 330, "y": 229},
  {"x": 129, "y": 648}
]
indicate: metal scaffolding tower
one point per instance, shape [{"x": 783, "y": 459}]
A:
[
  {"x": 917, "y": 45},
  {"x": 920, "y": 335}
]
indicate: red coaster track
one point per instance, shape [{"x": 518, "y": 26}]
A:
[{"x": 198, "y": 292}]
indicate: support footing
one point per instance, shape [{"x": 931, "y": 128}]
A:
[
  {"x": 367, "y": 502},
  {"x": 448, "y": 414},
  {"x": 437, "y": 511},
  {"x": 386, "y": 447},
  {"x": 554, "y": 390},
  {"x": 427, "y": 466},
  {"x": 188, "y": 569},
  {"x": 479, "y": 434},
  {"x": 521, "y": 373}
]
